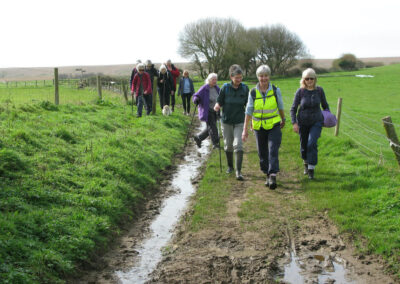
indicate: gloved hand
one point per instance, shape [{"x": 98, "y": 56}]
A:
[{"x": 196, "y": 102}]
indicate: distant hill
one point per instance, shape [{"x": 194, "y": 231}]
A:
[{"x": 46, "y": 73}]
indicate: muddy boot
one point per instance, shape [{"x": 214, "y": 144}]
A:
[
  {"x": 267, "y": 181},
  {"x": 311, "y": 173},
  {"x": 272, "y": 182},
  {"x": 229, "y": 159},
  {"x": 239, "y": 160}
]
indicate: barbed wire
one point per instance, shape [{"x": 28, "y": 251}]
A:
[
  {"x": 374, "y": 120},
  {"x": 358, "y": 143}
]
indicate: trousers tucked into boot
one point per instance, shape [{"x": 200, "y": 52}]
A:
[
  {"x": 229, "y": 160},
  {"x": 239, "y": 160}
]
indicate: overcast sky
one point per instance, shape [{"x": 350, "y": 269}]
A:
[{"x": 44, "y": 33}]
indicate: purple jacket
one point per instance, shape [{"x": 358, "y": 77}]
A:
[{"x": 203, "y": 98}]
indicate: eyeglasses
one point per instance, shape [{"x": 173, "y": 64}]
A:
[{"x": 308, "y": 79}]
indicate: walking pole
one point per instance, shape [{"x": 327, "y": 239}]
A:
[
  {"x": 219, "y": 141},
  {"x": 190, "y": 126}
]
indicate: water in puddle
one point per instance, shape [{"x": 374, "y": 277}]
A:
[
  {"x": 163, "y": 225},
  {"x": 293, "y": 273}
]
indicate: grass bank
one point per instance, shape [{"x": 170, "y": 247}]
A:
[{"x": 69, "y": 175}]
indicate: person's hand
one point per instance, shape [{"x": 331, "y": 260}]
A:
[
  {"x": 162, "y": 81},
  {"x": 196, "y": 102},
  {"x": 296, "y": 128},
  {"x": 245, "y": 135},
  {"x": 283, "y": 123},
  {"x": 172, "y": 93},
  {"x": 217, "y": 107}
]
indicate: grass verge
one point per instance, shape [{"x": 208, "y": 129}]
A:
[{"x": 69, "y": 175}]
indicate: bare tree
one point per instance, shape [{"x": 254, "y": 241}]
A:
[
  {"x": 279, "y": 48},
  {"x": 207, "y": 43}
]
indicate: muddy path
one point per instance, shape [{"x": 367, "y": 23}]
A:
[{"x": 288, "y": 243}]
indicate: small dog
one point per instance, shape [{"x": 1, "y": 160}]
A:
[{"x": 166, "y": 110}]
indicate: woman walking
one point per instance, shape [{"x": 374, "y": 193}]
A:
[
  {"x": 307, "y": 118},
  {"x": 141, "y": 87},
  {"x": 265, "y": 110},
  {"x": 206, "y": 98},
  {"x": 232, "y": 99},
  {"x": 186, "y": 90},
  {"x": 165, "y": 86}
]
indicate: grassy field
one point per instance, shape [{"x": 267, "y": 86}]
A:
[
  {"x": 69, "y": 176},
  {"x": 359, "y": 189}
]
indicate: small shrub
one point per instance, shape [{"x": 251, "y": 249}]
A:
[{"x": 48, "y": 106}]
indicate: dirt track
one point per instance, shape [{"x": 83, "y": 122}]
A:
[{"x": 235, "y": 251}]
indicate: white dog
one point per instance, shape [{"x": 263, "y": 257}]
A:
[{"x": 166, "y": 110}]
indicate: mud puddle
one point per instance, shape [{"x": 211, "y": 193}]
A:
[{"x": 149, "y": 253}]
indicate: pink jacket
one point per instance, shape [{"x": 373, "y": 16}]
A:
[{"x": 146, "y": 84}]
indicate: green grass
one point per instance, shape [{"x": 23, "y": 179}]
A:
[{"x": 69, "y": 176}]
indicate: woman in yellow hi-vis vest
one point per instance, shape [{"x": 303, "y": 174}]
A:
[{"x": 265, "y": 110}]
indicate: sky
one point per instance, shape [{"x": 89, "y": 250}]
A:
[{"x": 44, "y": 33}]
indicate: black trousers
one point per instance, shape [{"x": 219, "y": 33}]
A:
[
  {"x": 186, "y": 102},
  {"x": 211, "y": 129}
]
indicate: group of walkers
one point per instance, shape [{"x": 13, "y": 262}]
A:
[
  {"x": 141, "y": 84},
  {"x": 239, "y": 108},
  {"x": 262, "y": 109}
]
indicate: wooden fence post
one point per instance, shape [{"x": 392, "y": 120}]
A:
[
  {"x": 338, "y": 113},
  {"x": 392, "y": 136},
  {"x": 56, "y": 94},
  {"x": 99, "y": 87},
  {"x": 125, "y": 91},
  {"x": 154, "y": 95}
]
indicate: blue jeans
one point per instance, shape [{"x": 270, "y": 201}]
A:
[
  {"x": 268, "y": 143},
  {"x": 309, "y": 135},
  {"x": 144, "y": 99}
]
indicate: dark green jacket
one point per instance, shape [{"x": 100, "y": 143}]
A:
[{"x": 233, "y": 102}]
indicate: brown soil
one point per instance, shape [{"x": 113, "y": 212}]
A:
[{"x": 233, "y": 250}]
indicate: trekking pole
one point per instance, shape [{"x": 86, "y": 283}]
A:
[
  {"x": 219, "y": 141},
  {"x": 190, "y": 126}
]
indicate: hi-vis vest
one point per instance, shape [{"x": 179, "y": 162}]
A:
[{"x": 265, "y": 114}]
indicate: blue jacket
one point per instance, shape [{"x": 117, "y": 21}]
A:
[{"x": 180, "y": 90}]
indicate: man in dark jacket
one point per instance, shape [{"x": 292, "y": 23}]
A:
[{"x": 151, "y": 70}]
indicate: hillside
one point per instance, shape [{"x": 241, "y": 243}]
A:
[{"x": 46, "y": 73}]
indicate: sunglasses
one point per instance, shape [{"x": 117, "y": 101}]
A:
[{"x": 308, "y": 79}]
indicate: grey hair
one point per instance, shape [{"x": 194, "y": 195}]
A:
[
  {"x": 209, "y": 77},
  {"x": 234, "y": 70},
  {"x": 263, "y": 70},
  {"x": 140, "y": 66},
  {"x": 169, "y": 61},
  {"x": 163, "y": 67},
  {"x": 148, "y": 62},
  {"x": 308, "y": 73}
]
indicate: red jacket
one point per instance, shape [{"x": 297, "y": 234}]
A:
[
  {"x": 175, "y": 74},
  {"x": 146, "y": 84}
]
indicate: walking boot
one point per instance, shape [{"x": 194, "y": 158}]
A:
[
  {"x": 267, "y": 181},
  {"x": 197, "y": 140},
  {"x": 229, "y": 159},
  {"x": 305, "y": 168},
  {"x": 239, "y": 160},
  {"x": 272, "y": 182},
  {"x": 311, "y": 173}
]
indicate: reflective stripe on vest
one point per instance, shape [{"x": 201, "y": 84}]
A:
[{"x": 265, "y": 114}]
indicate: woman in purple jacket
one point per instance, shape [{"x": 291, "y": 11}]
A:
[{"x": 205, "y": 98}]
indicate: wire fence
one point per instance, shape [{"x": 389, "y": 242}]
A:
[{"x": 71, "y": 91}]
